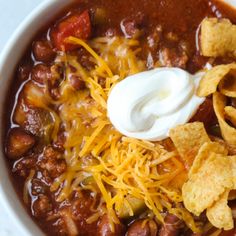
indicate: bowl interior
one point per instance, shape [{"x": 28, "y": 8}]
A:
[{"x": 8, "y": 60}]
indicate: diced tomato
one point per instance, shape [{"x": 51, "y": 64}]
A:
[{"x": 77, "y": 25}]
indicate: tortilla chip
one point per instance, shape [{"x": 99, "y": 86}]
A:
[
  {"x": 228, "y": 132},
  {"x": 204, "y": 153},
  {"x": 205, "y": 187},
  {"x": 212, "y": 78},
  {"x": 230, "y": 113},
  {"x": 212, "y": 42},
  {"x": 228, "y": 85},
  {"x": 233, "y": 163},
  {"x": 188, "y": 139},
  {"x": 231, "y": 148},
  {"x": 220, "y": 215}
]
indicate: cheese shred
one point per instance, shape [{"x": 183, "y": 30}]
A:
[{"x": 121, "y": 170}]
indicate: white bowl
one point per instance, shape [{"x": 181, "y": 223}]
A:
[{"x": 8, "y": 60}]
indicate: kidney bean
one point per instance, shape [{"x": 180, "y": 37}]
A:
[
  {"x": 41, "y": 73},
  {"x": 131, "y": 25},
  {"x": 139, "y": 227},
  {"x": 19, "y": 142},
  {"x": 77, "y": 83},
  {"x": 43, "y": 51},
  {"x": 171, "y": 226},
  {"x": 105, "y": 230},
  {"x": 24, "y": 72}
]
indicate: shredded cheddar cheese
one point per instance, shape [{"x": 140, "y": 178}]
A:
[{"x": 121, "y": 170}]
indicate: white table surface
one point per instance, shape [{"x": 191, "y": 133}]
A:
[{"x": 12, "y": 13}]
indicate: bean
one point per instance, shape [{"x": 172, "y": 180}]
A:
[
  {"x": 43, "y": 51},
  {"x": 24, "y": 72},
  {"x": 105, "y": 230},
  {"x": 41, "y": 73},
  {"x": 139, "y": 227},
  {"x": 171, "y": 226},
  {"x": 19, "y": 142},
  {"x": 131, "y": 26},
  {"x": 77, "y": 83}
]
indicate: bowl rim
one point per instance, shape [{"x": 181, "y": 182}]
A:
[{"x": 18, "y": 214}]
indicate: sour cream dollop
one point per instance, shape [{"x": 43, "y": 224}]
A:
[{"x": 148, "y": 104}]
